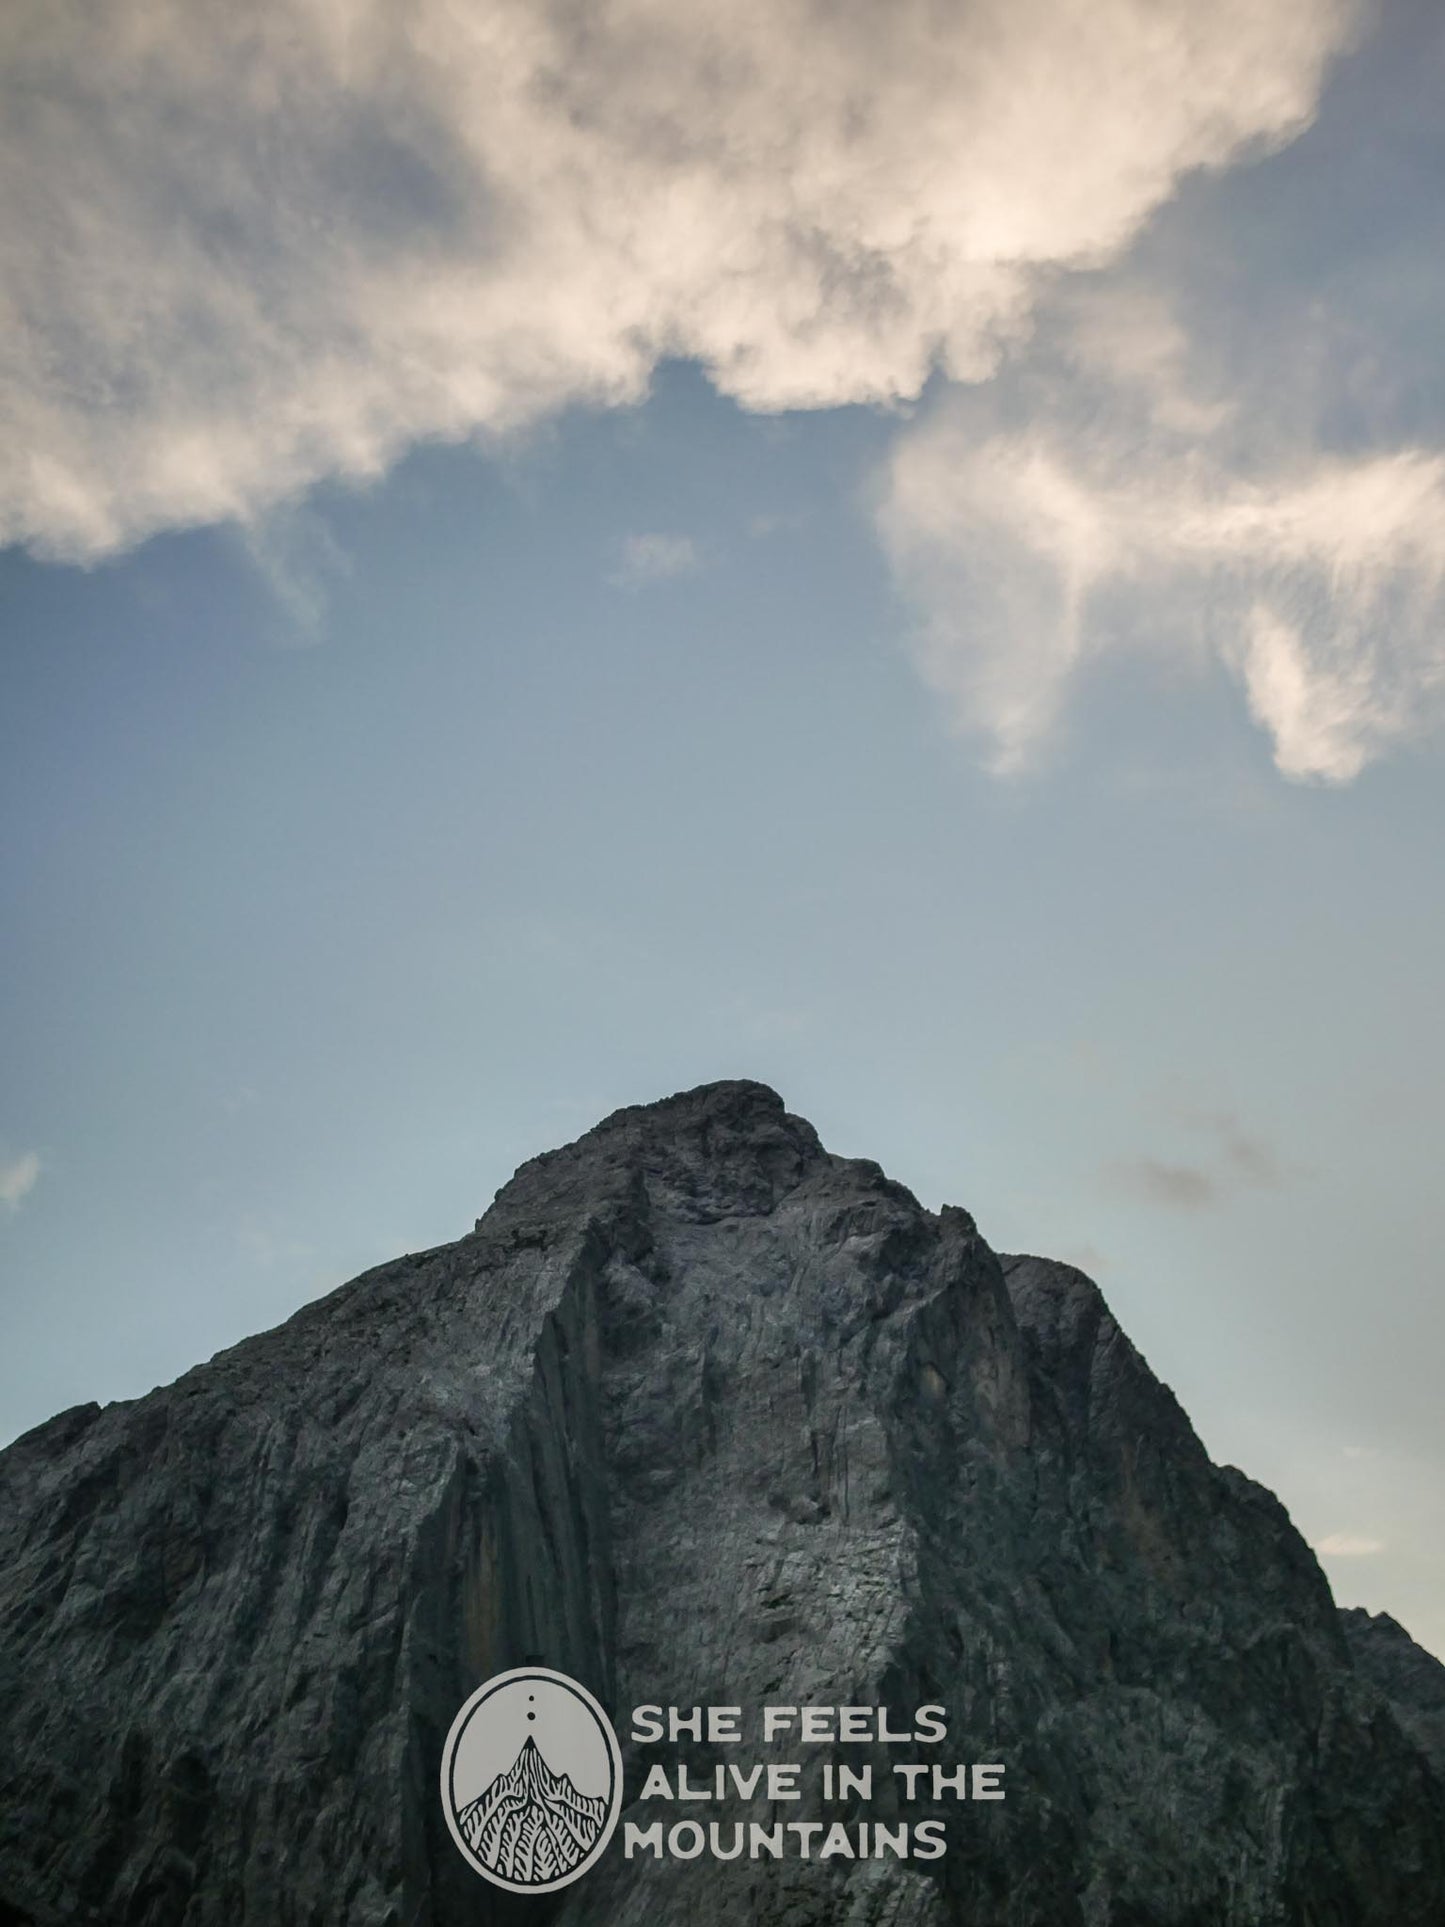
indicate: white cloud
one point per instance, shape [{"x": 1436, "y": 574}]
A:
[
  {"x": 1128, "y": 514},
  {"x": 1349, "y": 1545},
  {"x": 18, "y": 1179},
  {"x": 299, "y": 559},
  {"x": 247, "y": 247},
  {"x": 655, "y": 558}
]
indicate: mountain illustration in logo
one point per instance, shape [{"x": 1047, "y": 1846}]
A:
[
  {"x": 531, "y": 1780},
  {"x": 531, "y": 1825}
]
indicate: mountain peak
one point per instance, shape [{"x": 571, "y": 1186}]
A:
[
  {"x": 729, "y": 1146},
  {"x": 705, "y": 1414}
]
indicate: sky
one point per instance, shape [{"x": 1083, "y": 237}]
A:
[{"x": 552, "y": 555}]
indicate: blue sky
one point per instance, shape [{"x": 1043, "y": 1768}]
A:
[{"x": 972, "y": 659}]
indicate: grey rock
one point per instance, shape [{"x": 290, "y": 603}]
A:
[
  {"x": 699, "y": 1413},
  {"x": 1410, "y": 1678}
]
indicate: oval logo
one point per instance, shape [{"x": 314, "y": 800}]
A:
[{"x": 531, "y": 1780}]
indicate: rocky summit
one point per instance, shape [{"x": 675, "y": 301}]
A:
[{"x": 699, "y": 1414}]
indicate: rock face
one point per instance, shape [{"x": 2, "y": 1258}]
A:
[
  {"x": 1410, "y": 1678},
  {"x": 699, "y": 1413}
]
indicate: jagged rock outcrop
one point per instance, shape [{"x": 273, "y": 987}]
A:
[
  {"x": 699, "y": 1413},
  {"x": 1410, "y": 1678}
]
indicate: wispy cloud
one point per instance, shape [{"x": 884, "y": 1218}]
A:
[
  {"x": 246, "y": 248},
  {"x": 269, "y": 1248},
  {"x": 1107, "y": 499},
  {"x": 1237, "y": 1159},
  {"x": 1182, "y": 1187},
  {"x": 655, "y": 558},
  {"x": 300, "y": 561},
  {"x": 1086, "y": 1258},
  {"x": 1349, "y": 1545},
  {"x": 1244, "y": 1156},
  {"x": 18, "y": 1178},
  {"x": 760, "y": 527}
]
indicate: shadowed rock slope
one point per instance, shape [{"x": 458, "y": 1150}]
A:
[
  {"x": 1410, "y": 1678},
  {"x": 699, "y": 1412}
]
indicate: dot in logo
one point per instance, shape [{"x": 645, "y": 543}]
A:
[{"x": 531, "y": 1780}]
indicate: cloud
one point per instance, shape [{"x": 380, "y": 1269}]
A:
[
  {"x": 1086, "y": 1258},
  {"x": 1349, "y": 1545},
  {"x": 655, "y": 558},
  {"x": 18, "y": 1179},
  {"x": 1182, "y": 1187},
  {"x": 269, "y": 1248},
  {"x": 245, "y": 248},
  {"x": 1107, "y": 504},
  {"x": 1239, "y": 1159},
  {"x": 299, "y": 560},
  {"x": 1246, "y": 1158}
]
